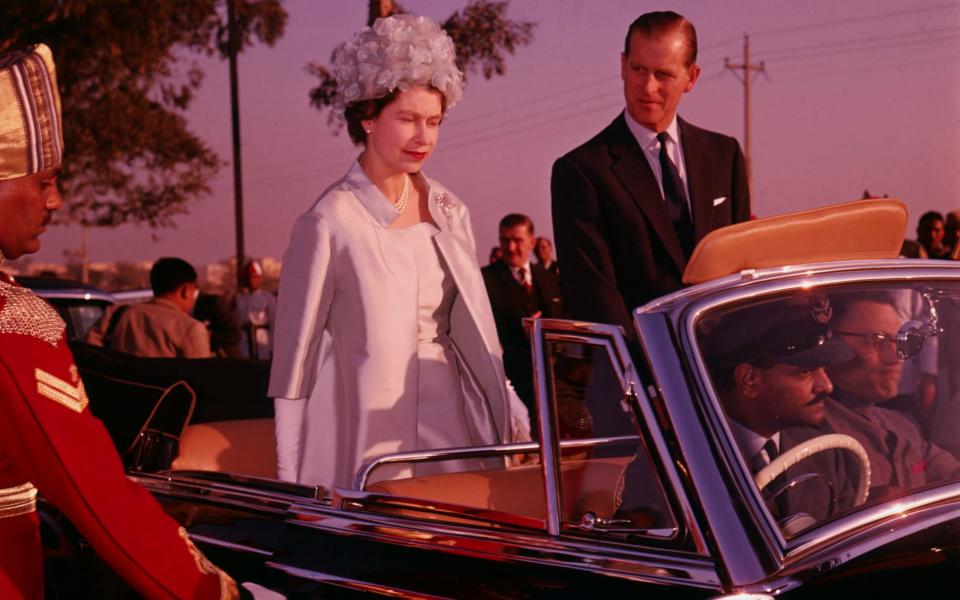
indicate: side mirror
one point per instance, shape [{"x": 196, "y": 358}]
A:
[{"x": 910, "y": 338}]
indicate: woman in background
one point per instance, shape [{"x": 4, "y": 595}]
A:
[{"x": 385, "y": 341}]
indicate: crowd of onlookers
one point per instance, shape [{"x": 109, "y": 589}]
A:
[{"x": 936, "y": 237}]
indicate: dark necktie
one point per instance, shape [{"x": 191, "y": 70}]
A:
[
  {"x": 522, "y": 278},
  {"x": 759, "y": 461},
  {"x": 770, "y": 447},
  {"x": 676, "y": 197},
  {"x": 778, "y": 506}
]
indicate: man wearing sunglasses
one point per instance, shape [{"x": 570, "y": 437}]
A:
[{"x": 900, "y": 457}]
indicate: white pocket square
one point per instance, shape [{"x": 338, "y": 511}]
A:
[{"x": 719, "y": 201}]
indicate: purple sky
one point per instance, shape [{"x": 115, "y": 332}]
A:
[{"x": 859, "y": 94}]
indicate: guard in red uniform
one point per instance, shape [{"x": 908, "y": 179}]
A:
[{"x": 49, "y": 441}]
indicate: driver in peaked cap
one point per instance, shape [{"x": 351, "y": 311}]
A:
[
  {"x": 49, "y": 441},
  {"x": 768, "y": 366}
]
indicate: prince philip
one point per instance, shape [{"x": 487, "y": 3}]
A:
[{"x": 630, "y": 204}]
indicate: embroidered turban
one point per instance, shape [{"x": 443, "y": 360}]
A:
[{"x": 31, "y": 134}]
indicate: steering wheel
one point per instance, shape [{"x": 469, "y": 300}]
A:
[{"x": 810, "y": 447}]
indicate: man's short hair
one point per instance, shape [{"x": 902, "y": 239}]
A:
[
  {"x": 170, "y": 273},
  {"x": 514, "y": 220},
  {"x": 655, "y": 24}
]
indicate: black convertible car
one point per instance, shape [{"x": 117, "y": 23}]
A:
[{"x": 638, "y": 485}]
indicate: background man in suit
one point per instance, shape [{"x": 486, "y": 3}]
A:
[
  {"x": 519, "y": 289},
  {"x": 543, "y": 250},
  {"x": 630, "y": 204},
  {"x": 768, "y": 367}
]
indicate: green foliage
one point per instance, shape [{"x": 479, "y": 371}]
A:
[
  {"x": 481, "y": 32},
  {"x": 126, "y": 76}
]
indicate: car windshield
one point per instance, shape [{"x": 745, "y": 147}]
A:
[{"x": 839, "y": 397}]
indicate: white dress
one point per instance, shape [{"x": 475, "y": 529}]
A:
[
  {"x": 352, "y": 313},
  {"x": 442, "y": 380}
]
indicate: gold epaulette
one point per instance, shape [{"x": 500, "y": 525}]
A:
[
  {"x": 25, "y": 313},
  {"x": 18, "y": 500}
]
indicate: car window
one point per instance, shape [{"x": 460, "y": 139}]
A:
[
  {"x": 838, "y": 398},
  {"x": 85, "y": 316},
  {"x": 608, "y": 482}
]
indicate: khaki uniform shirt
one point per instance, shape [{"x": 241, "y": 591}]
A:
[
  {"x": 899, "y": 454},
  {"x": 154, "y": 329}
]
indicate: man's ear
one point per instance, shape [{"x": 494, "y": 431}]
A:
[
  {"x": 746, "y": 378},
  {"x": 693, "y": 72}
]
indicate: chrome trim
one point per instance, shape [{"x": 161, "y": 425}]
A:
[
  {"x": 672, "y": 488},
  {"x": 834, "y": 553},
  {"x": 876, "y": 519},
  {"x": 607, "y": 558},
  {"x": 363, "y": 475},
  {"x": 353, "y": 500},
  {"x": 730, "y": 540},
  {"x": 749, "y": 277},
  {"x": 232, "y": 495},
  {"x": 349, "y": 583},
  {"x": 259, "y": 483},
  {"x": 549, "y": 444},
  {"x": 656, "y": 428},
  {"x": 211, "y": 541}
]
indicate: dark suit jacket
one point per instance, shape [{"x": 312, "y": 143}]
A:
[
  {"x": 511, "y": 305},
  {"x": 836, "y": 470},
  {"x": 618, "y": 247}
]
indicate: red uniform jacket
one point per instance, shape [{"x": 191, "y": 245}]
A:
[{"x": 50, "y": 440}]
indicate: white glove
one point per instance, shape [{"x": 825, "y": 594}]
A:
[
  {"x": 519, "y": 417},
  {"x": 288, "y": 415}
]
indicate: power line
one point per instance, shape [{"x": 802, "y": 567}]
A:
[
  {"x": 885, "y": 40},
  {"x": 864, "y": 19},
  {"x": 877, "y": 46}
]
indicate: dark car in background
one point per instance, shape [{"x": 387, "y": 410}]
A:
[
  {"x": 637, "y": 485},
  {"x": 79, "y": 304}
]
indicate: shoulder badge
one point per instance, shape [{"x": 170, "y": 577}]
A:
[
  {"x": 25, "y": 313},
  {"x": 69, "y": 394}
]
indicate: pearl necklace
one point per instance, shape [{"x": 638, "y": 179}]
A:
[{"x": 401, "y": 204}]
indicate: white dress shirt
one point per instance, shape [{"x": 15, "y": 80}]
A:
[
  {"x": 650, "y": 145},
  {"x": 751, "y": 443}
]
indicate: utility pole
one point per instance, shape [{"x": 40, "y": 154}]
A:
[
  {"x": 84, "y": 257},
  {"x": 233, "y": 47},
  {"x": 748, "y": 71}
]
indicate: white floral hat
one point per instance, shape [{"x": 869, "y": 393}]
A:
[{"x": 401, "y": 51}]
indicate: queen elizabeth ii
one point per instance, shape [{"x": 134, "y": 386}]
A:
[{"x": 385, "y": 341}]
